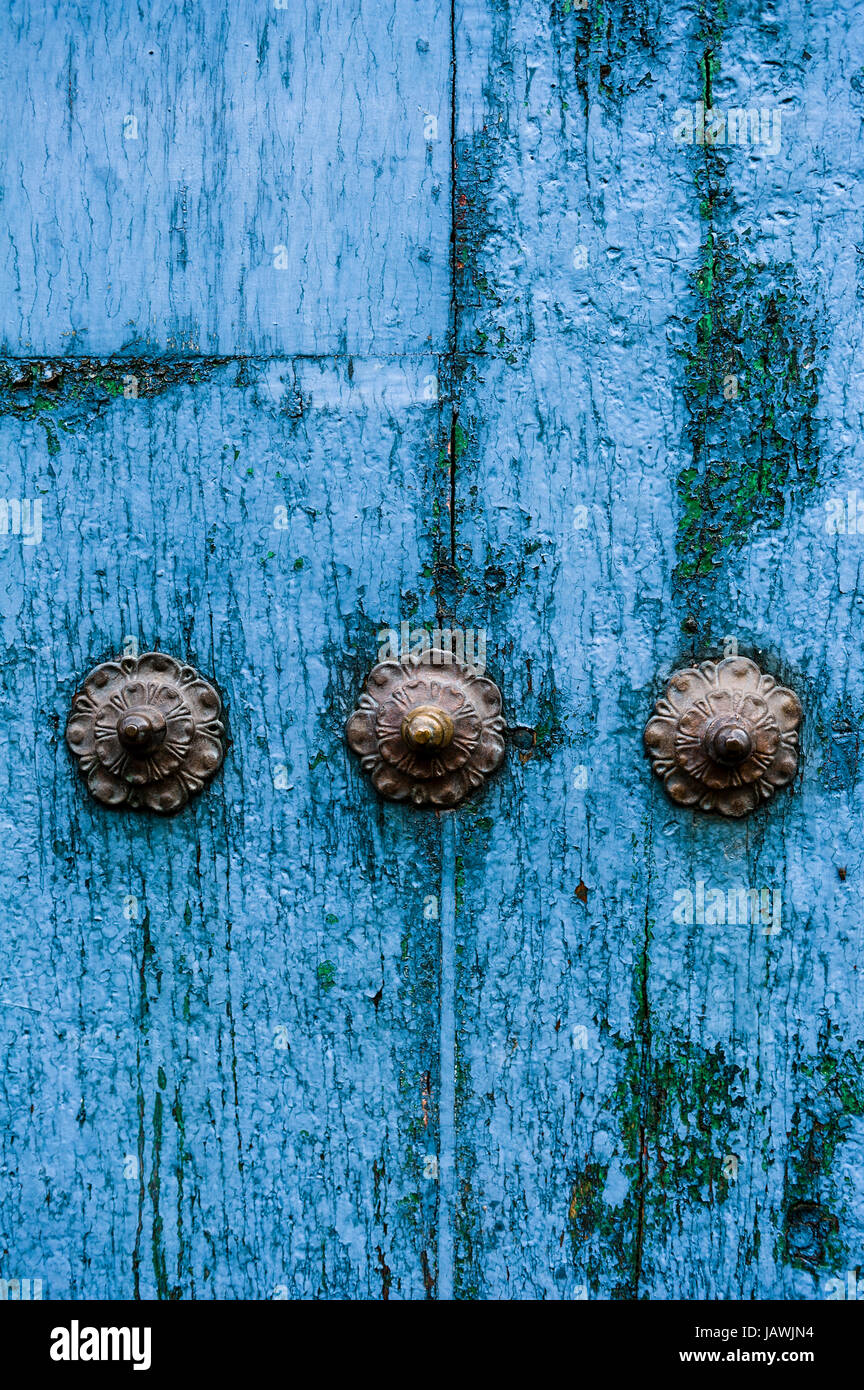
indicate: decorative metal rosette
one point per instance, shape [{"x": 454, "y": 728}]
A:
[
  {"x": 146, "y": 732},
  {"x": 724, "y": 736},
  {"x": 427, "y": 729}
]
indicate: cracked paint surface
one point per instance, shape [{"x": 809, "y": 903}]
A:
[{"x": 557, "y": 376}]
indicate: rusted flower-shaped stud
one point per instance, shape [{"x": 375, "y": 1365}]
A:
[
  {"x": 724, "y": 736},
  {"x": 427, "y": 729},
  {"x": 146, "y": 732}
]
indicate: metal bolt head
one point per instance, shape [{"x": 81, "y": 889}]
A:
[
  {"x": 727, "y": 741},
  {"x": 142, "y": 729},
  {"x": 427, "y": 726}
]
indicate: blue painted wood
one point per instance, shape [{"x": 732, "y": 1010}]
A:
[
  {"x": 651, "y": 1107},
  {"x": 219, "y": 1030},
  {"x": 225, "y": 179},
  {"x": 240, "y": 1047}
]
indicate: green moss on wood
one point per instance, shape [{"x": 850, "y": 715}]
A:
[
  {"x": 678, "y": 1110},
  {"x": 832, "y": 1099},
  {"x": 751, "y": 387}
]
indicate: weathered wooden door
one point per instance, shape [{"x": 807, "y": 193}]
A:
[{"x": 541, "y": 320}]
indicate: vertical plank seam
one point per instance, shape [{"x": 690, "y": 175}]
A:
[{"x": 447, "y": 1058}]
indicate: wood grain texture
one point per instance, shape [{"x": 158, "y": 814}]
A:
[
  {"x": 225, "y": 178},
  {"x": 220, "y": 1088},
  {"x": 222, "y": 1035},
  {"x": 650, "y": 1107}
]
